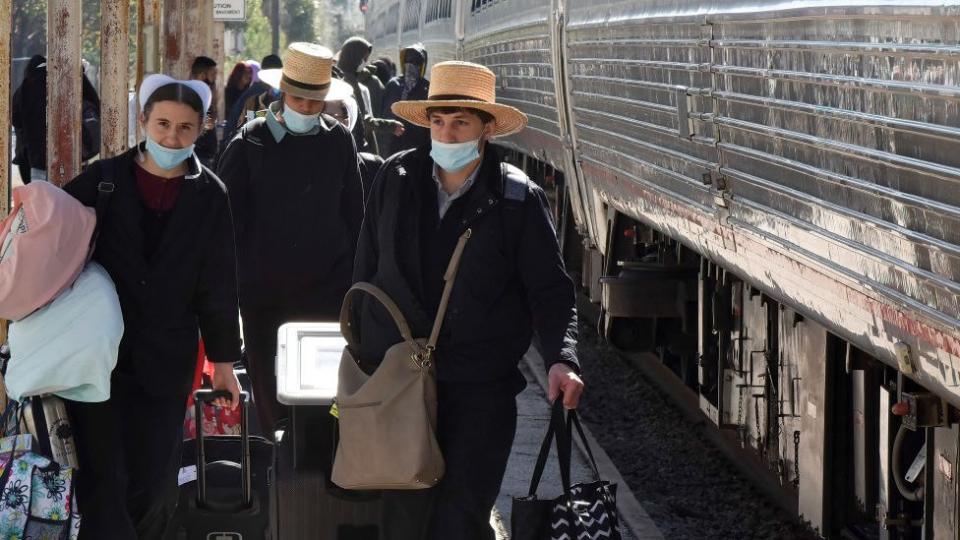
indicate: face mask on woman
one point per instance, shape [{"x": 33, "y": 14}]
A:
[
  {"x": 299, "y": 123},
  {"x": 167, "y": 158},
  {"x": 453, "y": 157}
]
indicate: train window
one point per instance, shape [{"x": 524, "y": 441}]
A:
[
  {"x": 438, "y": 9},
  {"x": 477, "y": 5},
  {"x": 411, "y": 19}
]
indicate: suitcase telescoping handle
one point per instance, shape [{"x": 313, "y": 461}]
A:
[{"x": 208, "y": 396}]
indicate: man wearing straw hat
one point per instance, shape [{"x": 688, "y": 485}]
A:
[
  {"x": 511, "y": 285},
  {"x": 297, "y": 202}
]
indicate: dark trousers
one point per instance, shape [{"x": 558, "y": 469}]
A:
[
  {"x": 260, "y": 342},
  {"x": 476, "y": 423},
  {"x": 129, "y": 452}
]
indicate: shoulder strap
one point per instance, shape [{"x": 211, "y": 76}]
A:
[
  {"x": 253, "y": 149},
  {"x": 448, "y": 277},
  {"x": 346, "y": 327},
  {"x": 514, "y": 183},
  {"x": 105, "y": 189}
]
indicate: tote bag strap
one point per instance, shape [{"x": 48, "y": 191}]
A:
[
  {"x": 557, "y": 431},
  {"x": 448, "y": 277},
  {"x": 573, "y": 419},
  {"x": 391, "y": 307}
]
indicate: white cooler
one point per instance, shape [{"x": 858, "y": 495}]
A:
[{"x": 308, "y": 359}]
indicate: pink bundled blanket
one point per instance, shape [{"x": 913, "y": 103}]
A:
[{"x": 44, "y": 244}]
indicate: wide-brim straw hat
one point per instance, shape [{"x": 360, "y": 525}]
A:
[
  {"x": 467, "y": 85},
  {"x": 307, "y": 71}
]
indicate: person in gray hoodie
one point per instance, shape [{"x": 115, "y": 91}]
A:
[
  {"x": 351, "y": 61},
  {"x": 409, "y": 85}
]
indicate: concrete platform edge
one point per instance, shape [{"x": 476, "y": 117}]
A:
[{"x": 632, "y": 515}]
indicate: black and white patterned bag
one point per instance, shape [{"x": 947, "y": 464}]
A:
[{"x": 586, "y": 511}]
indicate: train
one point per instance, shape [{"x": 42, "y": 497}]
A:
[{"x": 766, "y": 197}]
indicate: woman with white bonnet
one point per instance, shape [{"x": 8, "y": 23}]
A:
[{"x": 167, "y": 241}]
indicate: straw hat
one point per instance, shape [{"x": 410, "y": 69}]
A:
[
  {"x": 306, "y": 71},
  {"x": 462, "y": 84}
]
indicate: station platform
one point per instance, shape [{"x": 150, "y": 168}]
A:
[{"x": 533, "y": 416}]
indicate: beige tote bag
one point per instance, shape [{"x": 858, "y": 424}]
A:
[{"x": 388, "y": 420}]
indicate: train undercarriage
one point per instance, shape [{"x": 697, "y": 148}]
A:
[{"x": 857, "y": 449}]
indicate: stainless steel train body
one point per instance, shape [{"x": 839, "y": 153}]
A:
[{"x": 808, "y": 153}]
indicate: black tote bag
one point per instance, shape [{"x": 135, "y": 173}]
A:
[{"x": 584, "y": 511}]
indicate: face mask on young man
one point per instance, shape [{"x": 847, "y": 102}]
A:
[
  {"x": 299, "y": 123},
  {"x": 453, "y": 157}
]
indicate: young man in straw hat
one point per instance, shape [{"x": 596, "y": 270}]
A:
[
  {"x": 511, "y": 284},
  {"x": 297, "y": 205}
]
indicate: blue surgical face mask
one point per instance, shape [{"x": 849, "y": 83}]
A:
[
  {"x": 453, "y": 157},
  {"x": 299, "y": 123},
  {"x": 167, "y": 158}
]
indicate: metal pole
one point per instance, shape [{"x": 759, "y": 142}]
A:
[
  {"x": 148, "y": 43},
  {"x": 220, "y": 55},
  {"x": 6, "y": 15},
  {"x": 275, "y": 24},
  {"x": 64, "y": 95},
  {"x": 114, "y": 75},
  {"x": 193, "y": 36},
  {"x": 173, "y": 43}
]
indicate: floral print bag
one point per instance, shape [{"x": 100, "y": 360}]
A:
[{"x": 37, "y": 497}]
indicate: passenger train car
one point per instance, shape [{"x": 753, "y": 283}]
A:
[{"x": 769, "y": 197}]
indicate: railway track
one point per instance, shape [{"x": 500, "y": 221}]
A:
[{"x": 693, "y": 480}]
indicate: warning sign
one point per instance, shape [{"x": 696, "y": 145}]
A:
[{"x": 229, "y": 10}]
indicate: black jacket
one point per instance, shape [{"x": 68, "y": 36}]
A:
[
  {"x": 298, "y": 206},
  {"x": 511, "y": 282},
  {"x": 29, "y": 118},
  {"x": 186, "y": 290},
  {"x": 369, "y": 167}
]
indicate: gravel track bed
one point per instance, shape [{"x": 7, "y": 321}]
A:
[{"x": 683, "y": 482}]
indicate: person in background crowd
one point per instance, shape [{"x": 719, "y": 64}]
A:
[
  {"x": 410, "y": 85},
  {"x": 384, "y": 130},
  {"x": 386, "y": 70},
  {"x": 511, "y": 285},
  {"x": 239, "y": 80},
  {"x": 256, "y": 98},
  {"x": 30, "y": 120},
  {"x": 297, "y": 202},
  {"x": 344, "y": 110},
  {"x": 167, "y": 242},
  {"x": 352, "y": 61},
  {"x": 21, "y": 156},
  {"x": 204, "y": 69}
]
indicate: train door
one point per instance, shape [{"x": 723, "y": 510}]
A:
[{"x": 573, "y": 176}]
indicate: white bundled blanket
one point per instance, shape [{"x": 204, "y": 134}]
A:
[{"x": 69, "y": 347}]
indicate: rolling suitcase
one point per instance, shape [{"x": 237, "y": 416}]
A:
[{"x": 225, "y": 483}]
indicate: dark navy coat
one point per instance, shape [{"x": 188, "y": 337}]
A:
[{"x": 511, "y": 284}]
